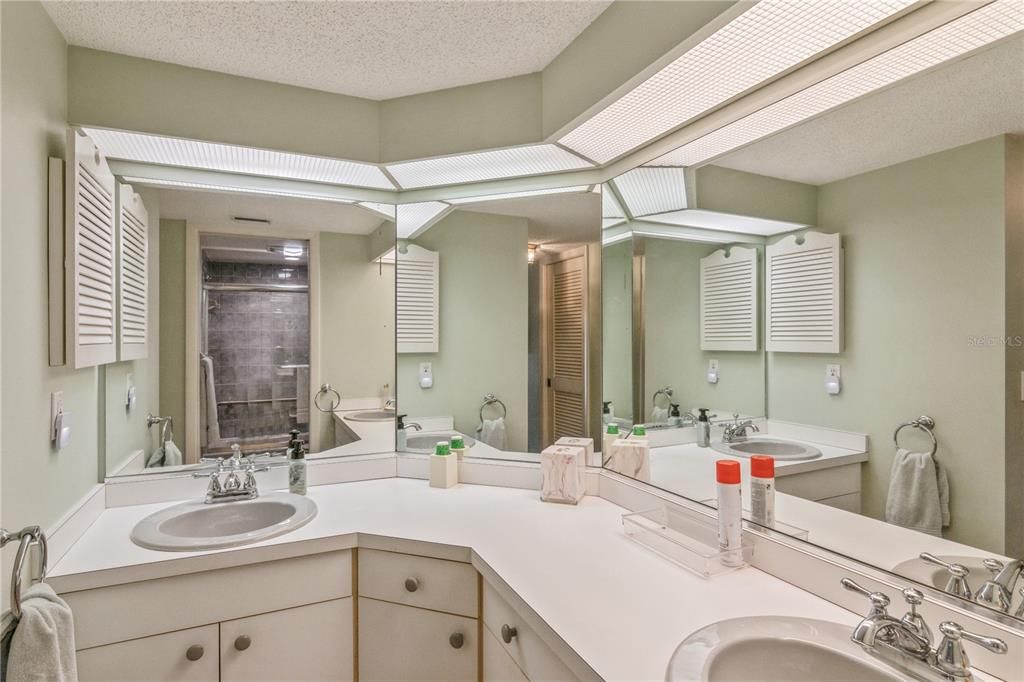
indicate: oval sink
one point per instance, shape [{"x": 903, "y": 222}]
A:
[
  {"x": 779, "y": 449},
  {"x": 194, "y": 525},
  {"x": 423, "y": 443},
  {"x": 371, "y": 416},
  {"x": 774, "y": 648}
]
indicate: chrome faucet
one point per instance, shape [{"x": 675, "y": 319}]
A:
[
  {"x": 997, "y": 591},
  {"x": 957, "y": 583},
  {"x": 906, "y": 643},
  {"x": 738, "y": 429},
  {"x": 234, "y": 487}
]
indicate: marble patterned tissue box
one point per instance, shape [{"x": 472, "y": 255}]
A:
[
  {"x": 586, "y": 443},
  {"x": 562, "y": 474}
]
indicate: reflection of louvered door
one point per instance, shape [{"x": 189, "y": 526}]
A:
[
  {"x": 133, "y": 259},
  {"x": 89, "y": 255},
  {"x": 803, "y": 294},
  {"x": 728, "y": 300},
  {"x": 417, "y": 300},
  {"x": 567, "y": 356}
]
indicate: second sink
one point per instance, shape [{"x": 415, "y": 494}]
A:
[{"x": 779, "y": 449}]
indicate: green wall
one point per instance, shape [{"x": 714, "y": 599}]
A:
[
  {"x": 617, "y": 323},
  {"x": 172, "y": 325}
]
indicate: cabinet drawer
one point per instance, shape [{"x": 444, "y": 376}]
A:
[
  {"x": 122, "y": 612},
  {"x": 159, "y": 658},
  {"x": 498, "y": 666},
  {"x": 526, "y": 647},
  {"x": 312, "y": 642},
  {"x": 437, "y": 584},
  {"x": 401, "y": 643}
]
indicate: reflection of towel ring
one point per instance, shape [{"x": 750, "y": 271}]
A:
[
  {"x": 489, "y": 399},
  {"x": 26, "y": 536},
  {"x": 327, "y": 390},
  {"x": 924, "y": 423}
]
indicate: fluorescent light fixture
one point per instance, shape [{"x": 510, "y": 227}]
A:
[
  {"x": 415, "y": 218},
  {"x": 724, "y": 222},
  {"x": 180, "y": 152},
  {"x": 652, "y": 190},
  {"x": 988, "y": 24},
  {"x": 228, "y": 189},
  {"x": 610, "y": 207},
  {"x": 292, "y": 250},
  {"x": 385, "y": 210},
  {"x": 490, "y": 165},
  {"x": 770, "y": 38},
  {"x": 518, "y": 195}
]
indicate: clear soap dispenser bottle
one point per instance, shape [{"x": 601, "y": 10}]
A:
[
  {"x": 703, "y": 428},
  {"x": 297, "y": 468}
]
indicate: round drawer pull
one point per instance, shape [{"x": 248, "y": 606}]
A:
[
  {"x": 456, "y": 640},
  {"x": 412, "y": 584},
  {"x": 243, "y": 642},
  {"x": 194, "y": 652},
  {"x": 508, "y": 633}
]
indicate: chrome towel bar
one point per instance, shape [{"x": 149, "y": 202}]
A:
[{"x": 26, "y": 536}]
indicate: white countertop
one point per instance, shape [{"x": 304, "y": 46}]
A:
[{"x": 622, "y": 608}]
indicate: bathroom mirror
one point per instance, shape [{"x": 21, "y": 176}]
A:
[
  {"x": 270, "y": 317},
  {"x": 889, "y": 257},
  {"x": 498, "y": 321}
]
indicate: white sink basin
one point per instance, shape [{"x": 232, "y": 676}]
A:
[
  {"x": 194, "y": 526},
  {"x": 779, "y": 449},
  {"x": 775, "y": 648},
  {"x": 372, "y": 416}
]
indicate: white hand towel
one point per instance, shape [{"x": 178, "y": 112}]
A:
[
  {"x": 302, "y": 395},
  {"x": 43, "y": 644},
  {"x": 209, "y": 424},
  {"x": 918, "y": 493},
  {"x": 172, "y": 455},
  {"x": 659, "y": 415},
  {"x": 492, "y": 432}
]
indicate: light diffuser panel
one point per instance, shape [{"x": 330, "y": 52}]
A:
[
  {"x": 652, "y": 190},
  {"x": 610, "y": 207},
  {"x": 724, "y": 222},
  {"x": 209, "y": 187},
  {"x": 412, "y": 218},
  {"x": 490, "y": 165},
  {"x": 768, "y": 39},
  {"x": 174, "y": 151},
  {"x": 983, "y": 26},
  {"x": 518, "y": 195}
]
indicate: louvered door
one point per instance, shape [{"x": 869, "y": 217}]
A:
[
  {"x": 89, "y": 255},
  {"x": 417, "y": 300},
  {"x": 803, "y": 297},
  {"x": 728, "y": 300},
  {"x": 567, "y": 338},
  {"x": 133, "y": 274}
]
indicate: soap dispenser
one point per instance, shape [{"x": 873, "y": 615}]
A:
[
  {"x": 400, "y": 437},
  {"x": 703, "y": 428},
  {"x": 607, "y": 411},
  {"x": 674, "y": 418},
  {"x": 297, "y": 469}
]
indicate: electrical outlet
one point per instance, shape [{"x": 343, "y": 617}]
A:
[
  {"x": 56, "y": 408},
  {"x": 129, "y": 392},
  {"x": 712, "y": 365},
  {"x": 833, "y": 371}
]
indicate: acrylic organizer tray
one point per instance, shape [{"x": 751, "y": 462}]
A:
[
  {"x": 777, "y": 527},
  {"x": 684, "y": 536}
]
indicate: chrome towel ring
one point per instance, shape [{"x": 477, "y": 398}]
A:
[
  {"x": 326, "y": 389},
  {"x": 924, "y": 423},
  {"x": 489, "y": 400},
  {"x": 26, "y": 536}
]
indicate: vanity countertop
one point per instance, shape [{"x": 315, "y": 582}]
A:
[{"x": 622, "y": 608}]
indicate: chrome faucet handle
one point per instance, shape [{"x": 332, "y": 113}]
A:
[
  {"x": 957, "y": 584},
  {"x": 912, "y": 618},
  {"x": 950, "y": 657},
  {"x": 879, "y": 601},
  {"x": 993, "y": 566},
  {"x": 1019, "y": 613}
]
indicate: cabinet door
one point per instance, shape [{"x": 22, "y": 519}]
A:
[
  {"x": 498, "y": 665},
  {"x": 398, "y": 643},
  {"x": 305, "y": 643},
  {"x": 157, "y": 658}
]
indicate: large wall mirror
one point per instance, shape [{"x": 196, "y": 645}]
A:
[
  {"x": 851, "y": 286},
  {"x": 498, "y": 321},
  {"x": 271, "y": 317}
]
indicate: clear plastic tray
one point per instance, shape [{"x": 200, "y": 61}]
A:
[
  {"x": 777, "y": 527},
  {"x": 684, "y": 536}
]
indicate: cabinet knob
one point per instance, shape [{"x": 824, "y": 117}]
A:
[
  {"x": 508, "y": 633},
  {"x": 412, "y": 584},
  {"x": 456, "y": 640},
  {"x": 243, "y": 642},
  {"x": 194, "y": 652}
]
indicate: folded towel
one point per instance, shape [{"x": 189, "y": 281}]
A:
[
  {"x": 659, "y": 415},
  {"x": 918, "y": 493},
  {"x": 492, "y": 432},
  {"x": 209, "y": 424},
  {"x": 43, "y": 644},
  {"x": 172, "y": 455},
  {"x": 302, "y": 395},
  {"x": 156, "y": 458}
]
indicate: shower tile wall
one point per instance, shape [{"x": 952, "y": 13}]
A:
[{"x": 250, "y": 336}]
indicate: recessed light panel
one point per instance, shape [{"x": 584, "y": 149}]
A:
[
  {"x": 412, "y": 218},
  {"x": 175, "y": 151},
  {"x": 229, "y": 189},
  {"x": 768, "y": 39},
  {"x": 652, "y": 190},
  {"x": 518, "y": 195},
  {"x": 491, "y": 165},
  {"x": 724, "y": 222},
  {"x": 971, "y": 31}
]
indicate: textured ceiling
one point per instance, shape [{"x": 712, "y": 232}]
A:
[
  {"x": 966, "y": 101},
  {"x": 379, "y": 49}
]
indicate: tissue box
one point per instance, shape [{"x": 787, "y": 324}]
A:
[
  {"x": 444, "y": 471},
  {"x": 561, "y": 474},
  {"x": 586, "y": 443},
  {"x": 630, "y": 457}
]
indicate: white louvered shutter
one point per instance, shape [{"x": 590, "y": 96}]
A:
[
  {"x": 568, "y": 348},
  {"x": 728, "y": 300},
  {"x": 804, "y": 294},
  {"x": 417, "y": 300},
  {"x": 133, "y": 274},
  {"x": 89, "y": 255}
]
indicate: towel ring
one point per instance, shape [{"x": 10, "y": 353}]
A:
[
  {"x": 924, "y": 423},
  {"x": 489, "y": 399},
  {"x": 326, "y": 389},
  {"x": 26, "y": 536}
]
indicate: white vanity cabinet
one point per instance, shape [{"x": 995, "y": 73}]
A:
[
  {"x": 519, "y": 642},
  {"x": 187, "y": 655}
]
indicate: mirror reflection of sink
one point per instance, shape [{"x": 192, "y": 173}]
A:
[
  {"x": 194, "y": 525},
  {"x": 423, "y": 443},
  {"x": 775, "y": 648},
  {"x": 382, "y": 415},
  {"x": 923, "y": 572},
  {"x": 779, "y": 449}
]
